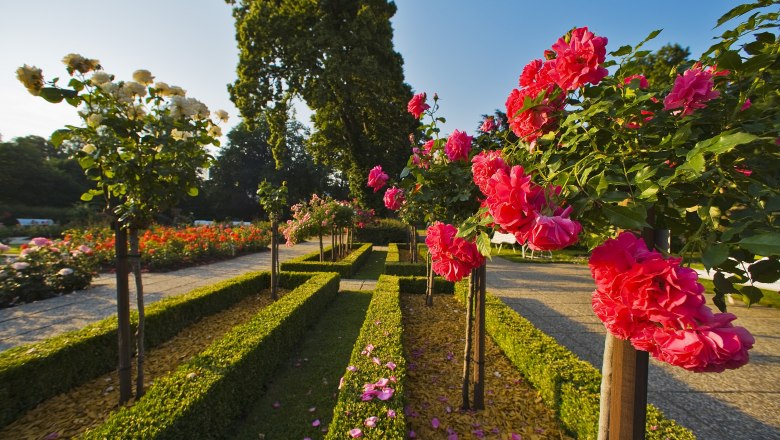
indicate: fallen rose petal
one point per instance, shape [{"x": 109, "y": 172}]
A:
[
  {"x": 382, "y": 382},
  {"x": 352, "y": 368},
  {"x": 315, "y": 423},
  {"x": 371, "y": 421},
  {"x": 391, "y": 414},
  {"x": 276, "y": 404},
  {"x": 376, "y": 360},
  {"x": 356, "y": 433},
  {"x": 391, "y": 365},
  {"x": 385, "y": 394},
  {"x": 412, "y": 434},
  {"x": 435, "y": 423}
]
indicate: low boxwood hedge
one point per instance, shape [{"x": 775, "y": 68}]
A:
[
  {"x": 394, "y": 265},
  {"x": 345, "y": 268},
  {"x": 419, "y": 284},
  {"x": 382, "y": 328},
  {"x": 567, "y": 384},
  {"x": 203, "y": 397},
  {"x": 32, "y": 373}
]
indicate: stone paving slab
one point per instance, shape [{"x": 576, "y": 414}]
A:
[
  {"x": 39, "y": 320},
  {"x": 735, "y": 404}
]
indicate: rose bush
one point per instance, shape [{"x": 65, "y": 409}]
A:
[{"x": 46, "y": 268}]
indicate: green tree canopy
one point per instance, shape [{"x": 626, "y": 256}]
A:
[
  {"x": 337, "y": 55},
  {"x": 663, "y": 65}
]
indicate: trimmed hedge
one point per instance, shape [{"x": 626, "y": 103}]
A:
[
  {"x": 203, "y": 397},
  {"x": 383, "y": 232},
  {"x": 394, "y": 265},
  {"x": 345, "y": 268},
  {"x": 567, "y": 384},
  {"x": 419, "y": 284},
  {"x": 32, "y": 373},
  {"x": 383, "y": 329}
]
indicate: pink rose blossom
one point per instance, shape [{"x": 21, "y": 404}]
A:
[
  {"x": 746, "y": 105},
  {"x": 458, "y": 146},
  {"x": 531, "y": 123},
  {"x": 377, "y": 178},
  {"x": 747, "y": 172},
  {"x": 394, "y": 198},
  {"x": 20, "y": 265},
  {"x": 511, "y": 201},
  {"x": 417, "y": 105},
  {"x": 40, "y": 242},
  {"x": 484, "y": 165},
  {"x": 643, "y": 84},
  {"x": 692, "y": 89},
  {"x": 578, "y": 61},
  {"x": 488, "y": 125},
  {"x": 549, "y": 233},
  {"x": 453, "y": 257}
]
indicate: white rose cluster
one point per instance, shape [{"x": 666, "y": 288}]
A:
[{"x": 182, "y": 107}]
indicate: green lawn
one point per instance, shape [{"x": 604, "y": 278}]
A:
[
  {"x": 373, "y": 267},
  {"x": 562, "y": 256},
  {"x": 305, "y": 387}
]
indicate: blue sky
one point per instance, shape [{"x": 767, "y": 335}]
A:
[{"x": 469, "y": 52}]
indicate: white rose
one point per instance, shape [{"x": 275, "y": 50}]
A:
[
  {"x": 215, "y": 131},
  {"x": 143, "y": 76},
  {"x": 134, "y": 89},
  {"x": 89, "y": 148},
  {"x": 222, "y": 115},
  {"x": 180, "y": 135},
  {"x": 31, "y": 78},
  {"x": 100, "y": 77}
]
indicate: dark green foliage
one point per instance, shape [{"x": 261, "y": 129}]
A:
[
  {"x": 35, "y": 372},
  {"x": 383, "y": 329},
  {"x": 346, "y": 267},
  {"x": 227, "y": 374},
  {"x": 383, "y": 232},
  {"x": 418, "y": 285},
  {"x": 568, "y": 385}
]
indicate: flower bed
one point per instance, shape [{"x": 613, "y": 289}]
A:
[
  {"x": 164, "y": 247},
  {"x": 204, "y": 395},
  {"x": 346, "y": 267},
  {"x": 35, "y": 372},
  {"x": 43, "y": 269},
  {"x": 565, "y": 383}
]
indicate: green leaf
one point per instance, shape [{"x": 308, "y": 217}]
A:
[
  {"x": 751, "y": 294},
  {"x": 729, "y": 60},
  {"x": 650, "y": 192},
  {"x": 192, "y": 192},
  {"x": 483, "y": 244},
  {"x": 58, "y": 136},
  {"x": 86, "y": 197},
  {"x": 722, "y": 284},
  {"x": 626, "y": 217},
  {"x": 622, "y": 50},
  {"x": 86, "y": 162},
  {"x": 720, "y": 300},
  {"x": 714, "y": 255},
  {"x": 762, "y": 244},
  {"x": 51, "y": 94},
  {"x": 602, "y": 186},
  {"x": 405, "y": 172},
  {"x": 720, "y": 144},
  {"x": 765, "y": 271}
]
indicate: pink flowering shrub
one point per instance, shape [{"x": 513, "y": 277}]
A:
[
  {"x": 484, "y": 165},
  {"x": 458, "y": 146},
  {"x": 46, "y": 268},
  {"x": 659, "y": 306},
  {"x": 578, "y": 61},
  {"x": 488, "y": 125}
]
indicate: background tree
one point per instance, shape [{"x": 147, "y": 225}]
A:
[
  {"x": 663, "y": 65},
  {"x": 247, "y": 160},
  {"x": 336, "y": 55}
]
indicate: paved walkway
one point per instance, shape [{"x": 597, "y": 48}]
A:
[
  {"x": 39, "y": 320},
  {"x": 735, "y": 404}
]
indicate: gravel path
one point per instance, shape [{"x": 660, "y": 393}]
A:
[
  {"x": 39, "y": 320},
  {"x": 735, "y": 404}
]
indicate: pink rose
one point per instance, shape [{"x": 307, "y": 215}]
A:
[
  {"x": 511, "y": 199},
  {"x": 40, "y": 242},
  {"x": 453, "y": 257},
  {"x": 643, "y": 84},
  {"x": 743, "y": 170},
  {"x": 439, "y": 236},
  {"x": 746, "y": 105},
  {"x": 578, "y": 61},
  {"x": 458, "y": 146},
  {"x": 488, "y": 125},
  {"x": 536, "y": 75},
  {"x": 692, "y": 89},
  {"x": 394, "y": 198},
  {"x": 531, "y": 123},
  {"x": 552, "y": 233},
  {"x": 377, "y": 178},
  {"x": 484, "y": 165},
  {"x": 417, "y": 105}
]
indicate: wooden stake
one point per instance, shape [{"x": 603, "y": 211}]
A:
[
  {"x": 479, "y": 341},
  {"x": 123, "y": 313}
]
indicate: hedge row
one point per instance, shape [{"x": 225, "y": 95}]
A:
[
  {"x": 383, "y": 232},
  {"x": 419, "y": 284},
  {"x": 205, "y": 395},
  {"x": 567, "y": 384},
  {"x": 345, "y": 268},
  {"x": 394, "y": 265},
  {"x": 32, "y": 373},
  {"x": 383, "y": 329}
]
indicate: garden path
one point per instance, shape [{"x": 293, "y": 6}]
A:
[
  {"x": 742, "y": 403},
  {"x": 27, "y": 323}
]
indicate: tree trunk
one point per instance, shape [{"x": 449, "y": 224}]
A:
[
  {"x": 467, "y": 349},
  {"x": 332, "y": 244},
  {"x": 135, "y": 264},
  {"x": 605, "y": 397},
  {"x": 413, "y": 250},
  {"x": 429, "y": 284},
  {"x": 479, "y": 344},
  {"x": 123, "y": 312},
  {"x": 322, "y": 250},
  {"x": 274, "y": 257}
]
